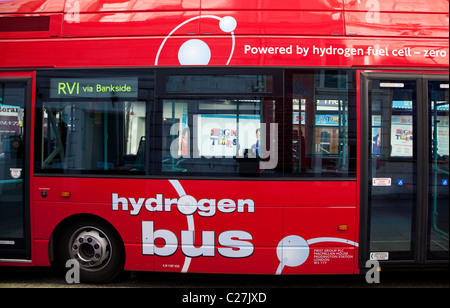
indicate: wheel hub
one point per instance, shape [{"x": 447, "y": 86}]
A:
[{"x": 90, "y": 247}]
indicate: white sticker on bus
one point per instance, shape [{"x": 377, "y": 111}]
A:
[
  {"x": 379, "y": 256},
  {"x": 381, "y": 181}
]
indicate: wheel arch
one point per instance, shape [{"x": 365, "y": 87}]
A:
[{"x": 71, "y": 220}]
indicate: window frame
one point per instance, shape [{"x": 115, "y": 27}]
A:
[
  {"x": 145, "y": 94},
  {"x": 154, "y": 94}
]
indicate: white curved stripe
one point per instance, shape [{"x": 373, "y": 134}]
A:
[
  {"x": 210, "y": 16},
  {"x": 177, "y": 185},
  {"x": 188, "y": 21},
  {"x": 170, "y": 34},
  {"x": 280, "y": 268},
  {"x": 180, "y": 190},
  {"x": 331, "y": 239},
  {"x": 187, "y": 262},
  {"x": 190, "y": 220},
  {"x": 232, "y": 48}
]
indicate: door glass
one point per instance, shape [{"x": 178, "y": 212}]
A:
[
  {"x": 438, "y": 102},
  {"x": 392, "y": 167},
  {"x": 12, "y": 110}
]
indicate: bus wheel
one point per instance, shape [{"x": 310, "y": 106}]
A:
[{"x": 96, "y": 246}]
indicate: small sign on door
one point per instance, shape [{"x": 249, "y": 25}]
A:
[
  {"x": 381, "y": 182},
  {"x": 15, "y": 172},
  {"x": 379, "y": 256}
]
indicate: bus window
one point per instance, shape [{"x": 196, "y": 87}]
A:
[
  {"x": 221, "y": 124},
  {"x": 219, "y": 84},
  {"x": 93, "y": 136},
  {"x": 216, "y": 137},
  {"x": 95, "y": 124},
  {"x": 320, "y": 123},
  {"x": 215, "y": 125}
]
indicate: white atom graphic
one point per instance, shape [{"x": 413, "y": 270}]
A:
[
  {"x": 293, "y": 250},
  {"x": 196, "y": 51}
]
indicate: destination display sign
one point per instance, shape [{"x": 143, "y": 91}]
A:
[{"x": 120, "y": 87}]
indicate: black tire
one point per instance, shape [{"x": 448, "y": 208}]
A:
[{"x": 96, "y": 246}]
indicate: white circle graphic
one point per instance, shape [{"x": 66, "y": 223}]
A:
[
  {"x": 194, "y": 52},
  {"x": 227, "y": 24},
  {"x": 187, "y": 205},
  {"x": 292, "y": 251},
  {"x": 197, "y": 52}
]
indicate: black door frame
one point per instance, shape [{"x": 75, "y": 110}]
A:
[
  {"x": 421, "y": 137},
  {"x": 22, "y": 254}
]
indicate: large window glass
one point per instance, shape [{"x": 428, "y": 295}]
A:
[
  {"x": 219, "y": 83},
  {"x": 438, "y": 132},
  {"x": 197, "y": 122},
  {"x": 220, "y": 137},
  {"x": 320, "y": 123},
  {"x": 220, "y": 124},
  {"x": 91, "y": 125},
  {"x": 93, "y": 136},
  {"x": 13, "y": 100}
]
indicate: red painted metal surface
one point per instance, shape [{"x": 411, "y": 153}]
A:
[
  {"x": 128, "y": 23},
  {"x": 278, "y": 22},
  {"x": 248, "y": 51},
  {"x": 291, "y": 5},
  {"x": 27, "y": 6},
  {"x": 140, "y": 18},
  {"x": 396, "y": 24},
  {"x": 86, "y": 6},
  {"x": 416, "y": 6},
  {"x": 262, "y": 214},
  {"x": 161, "y": 23},
  {"x": 401, "y": 34}
]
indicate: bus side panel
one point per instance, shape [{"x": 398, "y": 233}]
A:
[
  {"x": 242, "y": 241},
  {"x": 215, "y": 226},
  {"x": 92, "y": 197},
  {"x": 248, "y": 51},
  {"x": 325, "y": 249}
]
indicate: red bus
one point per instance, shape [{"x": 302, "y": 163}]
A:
[{"x": 260, "y": 137}]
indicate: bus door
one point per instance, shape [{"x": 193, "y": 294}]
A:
[
  {"x": 15, "y": 95},
  {"x": 405, "y": 168}
]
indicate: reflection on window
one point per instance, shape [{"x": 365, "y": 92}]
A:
[
  {"x": 392, "y": 118},
  {"x": 12, "y": 111},
  {"x": 219, "y": 84},
  {"x": 214, "y": 136},
  {"x": 246, "y": 123},
  {"x": 93, "y": 136},
  {"x": 321, "y": 133},
  {"x": 13, "y": 97},
  {"x": 438, "y": 94},
  {"x": 438, "y": 104}
]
